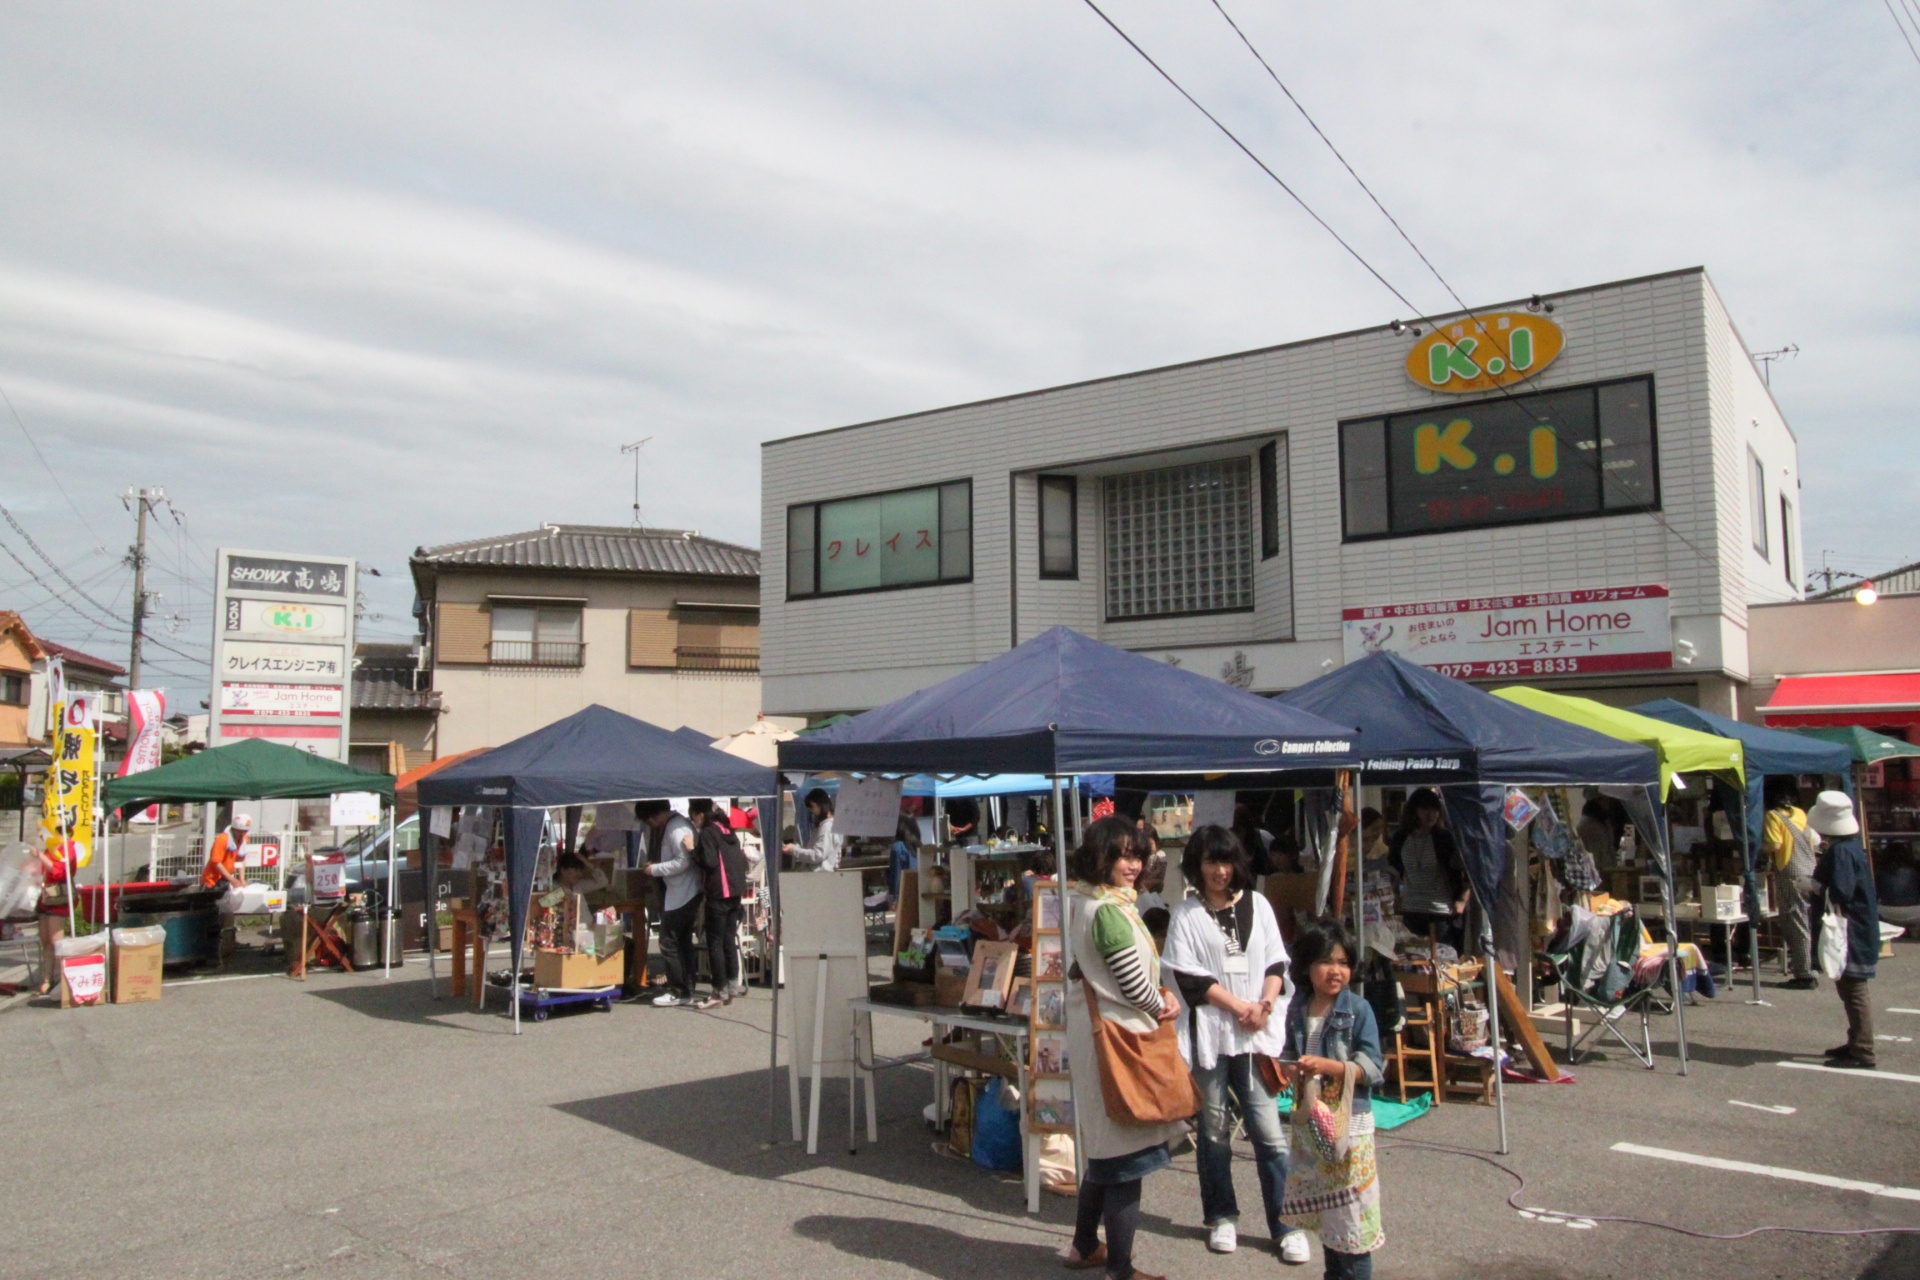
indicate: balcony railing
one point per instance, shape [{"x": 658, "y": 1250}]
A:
[
  {"x": 536, "y": 653},
  {"x": 710, "y": 658}
]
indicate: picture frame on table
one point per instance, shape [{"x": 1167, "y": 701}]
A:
[
  {"x": 1020, "y": 998},
  {"x": 990, "y": 978}
]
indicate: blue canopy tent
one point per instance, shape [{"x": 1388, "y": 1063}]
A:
[
  {"x": 1769, "y": 753},
  {"x": 1421, "y": 728},
  {"x": 1065, "y": 705},
  {"x": 594, "y": 756}
]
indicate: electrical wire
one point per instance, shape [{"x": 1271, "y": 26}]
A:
[
  {"x": 1891, "y": 13},
  {"x": 51, "y": 473},
  {"x": 1506, "y": 392},
  {"x": 1398, "y": 1144},
  {"x": 57, "y": 570}
]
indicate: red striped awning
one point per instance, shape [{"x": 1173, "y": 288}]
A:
[{"x": 1872, "y": 699}]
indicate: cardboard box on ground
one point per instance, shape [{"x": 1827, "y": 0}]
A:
[
  {"x": 576, "y": 970},
  {"x": 138, "y": 955}
]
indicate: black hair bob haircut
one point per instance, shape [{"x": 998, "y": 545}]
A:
[
  {"x": 1214, "y": 843},
  {"x": 821, "y": 798},
  {"x": 1315, "y": 943},
  {"x": 1102, "y": 845}
]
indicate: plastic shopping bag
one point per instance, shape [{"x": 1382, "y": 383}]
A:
[
  {"x": 20, "y": 880},
  {"x": 1833, "y": 945},
  {"x": 996, "y": 1130}
]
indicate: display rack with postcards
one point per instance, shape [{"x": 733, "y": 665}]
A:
[{"x": 1050, "y": 1092}]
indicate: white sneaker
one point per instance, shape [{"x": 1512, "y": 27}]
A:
[
  {"x": 1223, "y": 1238},
  {"x": 667, "y": 1001},
  {"x": 1293, "y": 1248}
]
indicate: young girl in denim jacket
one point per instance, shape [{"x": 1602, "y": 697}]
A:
[{"x": 1329, "y": 1026}]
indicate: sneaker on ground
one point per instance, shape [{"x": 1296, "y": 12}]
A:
[
  {"x": 1223, "y": 1238},
  {"x": 1293, "y": 1248},
  {"x": 668, "y": 1001}
]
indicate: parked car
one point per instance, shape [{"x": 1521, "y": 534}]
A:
[{"x": 367, "y": 859}]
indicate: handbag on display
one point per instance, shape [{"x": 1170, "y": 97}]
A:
[{"x": 1143, "y": 1078}]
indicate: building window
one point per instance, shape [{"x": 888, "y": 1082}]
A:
[
  {"x": 1786, "y": 537},
  {"x": 1059, "y": 527},
  {"x": 1521, "y": 459},
  {"x": 535, "y": 636},
  {"x": 717, "y": 638},
  {"x": 1180, "y": 541},
  {"x": 13, "y": 689},
  {"x": 881, "y": 542},
  {"x": 1272, "y": 485},
  {"x": 1757, "y": 502}
]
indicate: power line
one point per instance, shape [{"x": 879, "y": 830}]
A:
[
  {"x": 53, "y": 475},
  {"x": 57, "y": 570},
  {"x": 1505, "y": 392},
  {"x": 1891, "y": 13},
  {"x": 1248, "y": 152}
]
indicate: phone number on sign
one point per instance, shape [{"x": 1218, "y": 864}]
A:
[{"x": 1510, "y": 667}]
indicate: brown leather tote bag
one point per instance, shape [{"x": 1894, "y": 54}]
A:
[{"x": 1143, "y": 1078}]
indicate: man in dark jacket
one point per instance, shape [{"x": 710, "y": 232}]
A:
[
  {"x": 723, "y": 863},
  {"x": 1846, "y": 886}
]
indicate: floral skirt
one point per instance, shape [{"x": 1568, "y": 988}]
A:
[{"x": 1339, "y": 1198}]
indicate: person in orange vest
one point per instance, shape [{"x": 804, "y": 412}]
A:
[{"x": 223, "y": 860}]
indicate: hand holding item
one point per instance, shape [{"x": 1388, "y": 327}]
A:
[
  {"x": 1312, "y": 1066},
  {"x": 1168, "y": 1010}
]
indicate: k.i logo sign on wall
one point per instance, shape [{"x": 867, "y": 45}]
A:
[{"x": 1483, "y": 353}]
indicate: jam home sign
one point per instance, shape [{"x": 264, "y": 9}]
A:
[{"x": 1482, "y": 353}]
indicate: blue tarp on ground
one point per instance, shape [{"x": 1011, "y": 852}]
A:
[
  {"x": 594, "y": 756},
  {"x": 1063, "y": 703},
  {"x": 1420, "y": 727}
]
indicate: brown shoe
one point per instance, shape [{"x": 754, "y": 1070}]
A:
[{"x": 1092, "y": 1262}]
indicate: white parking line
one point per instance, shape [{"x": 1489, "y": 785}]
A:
[
  {"x": 1903, "y": 1011},
  {"x": 1850, "y": 1071},
  {"x": 1761, "y": 1106},
  {"x": 1769, "y": 1171}
]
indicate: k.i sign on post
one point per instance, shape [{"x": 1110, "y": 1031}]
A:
[{"x": 1483, "y": 353}]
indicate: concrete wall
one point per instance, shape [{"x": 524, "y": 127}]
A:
[
  {"x": 484, "y": 706},
  {"x": 857, "y": 651}
]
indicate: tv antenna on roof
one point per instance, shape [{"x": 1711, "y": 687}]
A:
[
  {"x": 1766, "y": 359},
  {"x": 634, "y": 449}
]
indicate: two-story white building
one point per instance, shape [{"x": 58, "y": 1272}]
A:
[{"x": 1585, "y": 490}]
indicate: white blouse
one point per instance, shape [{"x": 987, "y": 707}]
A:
[{"x": 1196, "y": 945}]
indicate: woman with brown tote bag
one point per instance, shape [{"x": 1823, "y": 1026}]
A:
[{"x": 1131, "y": 1089}]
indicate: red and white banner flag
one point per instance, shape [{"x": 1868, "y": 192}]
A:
[{"x": 147, "y": 708}]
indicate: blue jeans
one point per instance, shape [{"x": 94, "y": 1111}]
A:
[
  {"x": 1348, "y": 1266},
  {"x": 1236, "y": 1075}
]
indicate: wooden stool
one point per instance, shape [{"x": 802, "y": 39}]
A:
[
  {"x": 1418, "y": 1067},
  {"x": 320, "y": 940}
]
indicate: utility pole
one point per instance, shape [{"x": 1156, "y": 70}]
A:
[{"x": 141, "y": 500}]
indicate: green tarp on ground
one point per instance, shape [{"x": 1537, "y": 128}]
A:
[
  {"x": 251, "y": 769},
  {"x": 1680, "y": 750},
  {"x": 1867, "y": 746}
]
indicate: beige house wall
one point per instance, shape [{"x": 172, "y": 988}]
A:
[
  {"x": 14, "y": 660},
  {"x": 484, "y": 706},
  {"x": 1826, "y": 637}
]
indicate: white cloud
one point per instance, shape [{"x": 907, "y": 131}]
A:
[{"x": 358, "y": 278}]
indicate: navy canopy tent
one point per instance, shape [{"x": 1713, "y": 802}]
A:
[
  {"x": 1065, "y": 704},
  {"x": 1418, "y": 727},
  {"x": 594, "y": 756}
]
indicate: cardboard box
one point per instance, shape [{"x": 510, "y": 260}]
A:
[
  {"x": 575, "y": 970},
  {"x": 136, "y": 973}
]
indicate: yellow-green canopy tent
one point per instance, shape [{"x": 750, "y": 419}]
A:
[{"x": 1680, "y": 750}]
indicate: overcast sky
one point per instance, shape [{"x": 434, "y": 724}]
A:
[{"x": 354, "y": 278}]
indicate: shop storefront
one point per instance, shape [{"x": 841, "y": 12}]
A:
[{"x": 1585, "y": 491}]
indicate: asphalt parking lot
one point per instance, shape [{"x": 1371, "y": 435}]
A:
[{"x": 351, "y": 1125}]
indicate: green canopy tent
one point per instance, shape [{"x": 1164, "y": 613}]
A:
[
  {"x": 1867, "y": 746},
  {"x": 1679, "y": 750},
  {"x": 250, "y": 769}
]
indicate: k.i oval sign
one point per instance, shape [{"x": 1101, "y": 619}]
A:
[{"x": 1484, "y": 352}]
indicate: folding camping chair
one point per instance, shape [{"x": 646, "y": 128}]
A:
[{"x": 1594, "y": 965}]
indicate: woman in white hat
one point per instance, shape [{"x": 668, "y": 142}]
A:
[{"x": 1846, "y": 885}]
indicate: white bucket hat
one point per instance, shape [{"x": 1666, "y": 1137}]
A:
[
  {"x": 242, "y": 822},
  {"x": 1833, "y": 815}
]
